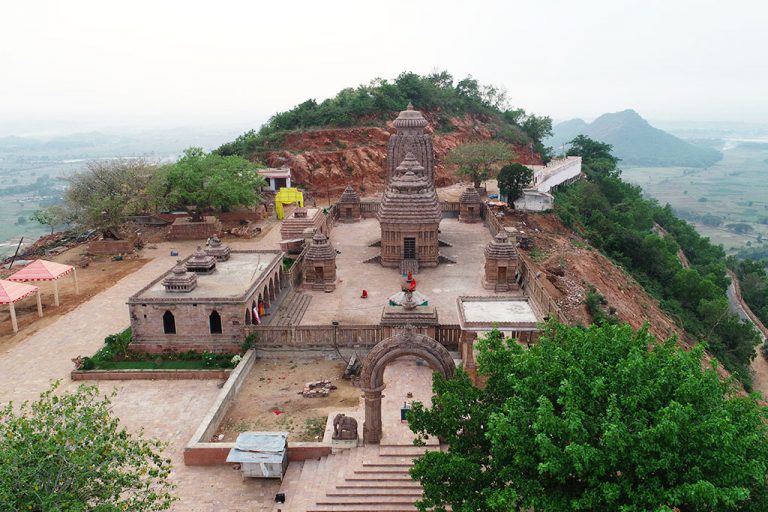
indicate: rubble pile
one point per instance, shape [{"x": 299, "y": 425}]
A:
[{"x": 318, "y": 388}]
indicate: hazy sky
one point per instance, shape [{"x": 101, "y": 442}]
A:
[{"x": 172, "y": 62}]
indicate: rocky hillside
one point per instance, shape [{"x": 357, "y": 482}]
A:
[
  {"x": 330, "y": 159},
  {"x": 342, "y": 140}
]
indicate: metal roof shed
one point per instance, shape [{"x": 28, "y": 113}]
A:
[{"x": 261, "y": 454}]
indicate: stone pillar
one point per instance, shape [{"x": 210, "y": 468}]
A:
[
  {"x": 468, "y": 354},
  {"x": 372, "y": 425}
]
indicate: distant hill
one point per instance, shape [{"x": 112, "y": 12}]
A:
[{"x": 635, "y": 141}]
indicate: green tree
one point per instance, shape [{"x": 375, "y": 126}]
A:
[
  {"x": 51, "y": 217},
  {"x": 66, "y": 451},
  {"x": 598, "y": 419},
  {"x": 107, "y": 192},
  {"x": 513, "y": 178},
  {"x": 200, "y": 181},
  {"x": 596, "y": 155},
  {"x": 475, "y": 160}
]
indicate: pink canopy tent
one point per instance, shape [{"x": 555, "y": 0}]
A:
[
  {"x": 42, "y": 270},
  {"x": 11, "y": 292}
]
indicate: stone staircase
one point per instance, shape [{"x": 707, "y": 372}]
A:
[
  {"x": 290, "y": 310},
  {"x": 370, "y": 478}
]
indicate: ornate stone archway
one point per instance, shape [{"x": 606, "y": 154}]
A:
[{"x": 407, "y": 343}]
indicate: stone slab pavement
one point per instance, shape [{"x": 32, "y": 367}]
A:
[
  {"x": 442, "y": 284},
  {"x": 167, "y": 410}
]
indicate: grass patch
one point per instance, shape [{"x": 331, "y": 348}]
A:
[{"x": 151, "y": 365}]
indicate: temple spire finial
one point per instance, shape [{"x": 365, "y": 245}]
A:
[{"x": 410, "y": 106}]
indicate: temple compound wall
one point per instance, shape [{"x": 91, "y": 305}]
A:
[{"x": 212, "y": 315}]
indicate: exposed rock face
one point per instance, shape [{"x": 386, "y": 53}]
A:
[{"x": 328, "y": 160}]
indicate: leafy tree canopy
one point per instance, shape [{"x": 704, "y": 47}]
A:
[
  {"x": 513, "y": 179},
  {"x": 200, "y": 181},
  {"x": 595, "y": 419},
  {"x": 67, "y": 452},
  {"x": 373, "y": 103},
  {"x": 108, "y": 191},
  {"x": 51, "y": 216},
  {"x": 475, "y": 160}
]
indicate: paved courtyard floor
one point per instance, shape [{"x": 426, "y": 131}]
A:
[
  {"x": 172, "y": 410},
  {"x": 442, "y": 284}
]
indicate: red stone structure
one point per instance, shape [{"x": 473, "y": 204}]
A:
[
  {"x": 211, "y": 312},
  {"x": 302, "y": 218},
  {"x": 501, "y": 264},
  {"x": 320, "y": 264},
  {"x": 349, "y": 206},
  {"x": 409, "y": 216},
  {"x": 407, "y": 343},
  {"x": 184, "y": 229},
  {"x": 469, "y": 206},
  {"x": 411, "y": 138}
]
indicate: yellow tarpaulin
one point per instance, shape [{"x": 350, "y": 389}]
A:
[{"x": 287, "y": 196}]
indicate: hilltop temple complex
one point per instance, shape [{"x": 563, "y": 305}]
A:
[{"x": 415, "y": 305}]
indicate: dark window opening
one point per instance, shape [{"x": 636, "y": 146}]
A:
[
  {"x": 169, "y": 323},
  {"x": 215, "y": 322}
]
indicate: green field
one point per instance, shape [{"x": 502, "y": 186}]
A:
[{"x": 735, "y": 189}]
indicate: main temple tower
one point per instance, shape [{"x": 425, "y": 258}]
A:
[{"x": 410, "y": 137}]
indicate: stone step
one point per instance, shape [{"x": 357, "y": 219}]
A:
[
  {"x": 388, "y": 484},
  {"x": 405, "y": 451},
  {"x": 387, "y": 464},
  {"x": 363, "y": 508},
  {"x": 400, "y": 477},
  {"x": 376, "y": 491},
  {"x": 372, "y": 500}
]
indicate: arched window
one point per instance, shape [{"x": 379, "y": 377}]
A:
[
  {"x": 215, "y": 322},
  {"x": 169, "y": 323}
]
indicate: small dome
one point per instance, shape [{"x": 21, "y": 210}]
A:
[
  {"x": 470, "y": 195},
  {"x": 410, "y": 118},
  {"x": 349, "y": 196},
  {"x": 320, "y": 249},
  {"x": 501, "y": 248}
]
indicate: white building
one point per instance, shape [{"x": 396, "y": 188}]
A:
[
  {"x": 276, "y": 178},
  {"x": 546, "y": 178}
]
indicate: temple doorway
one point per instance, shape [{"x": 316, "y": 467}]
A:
[
  {"x": 409, "y": 248},
  {"x": 408, "y": 343}
]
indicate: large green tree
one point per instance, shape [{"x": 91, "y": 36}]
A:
[
  {"x": 598, "y": 419},
  {"x": 67, "y": 452},
  {"x": 104, "y": 194},
  {"x": 200, "y": 181},
  {"x": 476, "y": 160},
  {"x": 513, "y": 178}
]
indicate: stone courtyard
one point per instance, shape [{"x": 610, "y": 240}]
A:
[{"x": 441, "y": 284}]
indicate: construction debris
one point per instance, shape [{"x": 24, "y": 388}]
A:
[{"x": 319, "y": 388}]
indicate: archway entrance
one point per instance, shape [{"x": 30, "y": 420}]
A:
[{"x": 407, "y": 343}]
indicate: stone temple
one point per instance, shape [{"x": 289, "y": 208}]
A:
[{"x": 409, "y": 216}]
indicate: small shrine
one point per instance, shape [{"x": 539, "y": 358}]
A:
[
  {"x": 501, "y": 264},
  {"x": 217, "y": 249},
  {"x": 179, "y": 280},
  {"x": 469, "y": 206},
  {"x": 201, "y": 263},
  {"x": 349, "y": 206},
  {"x": 320, "y": 264},
  {"x": 409, "y": 308}
]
